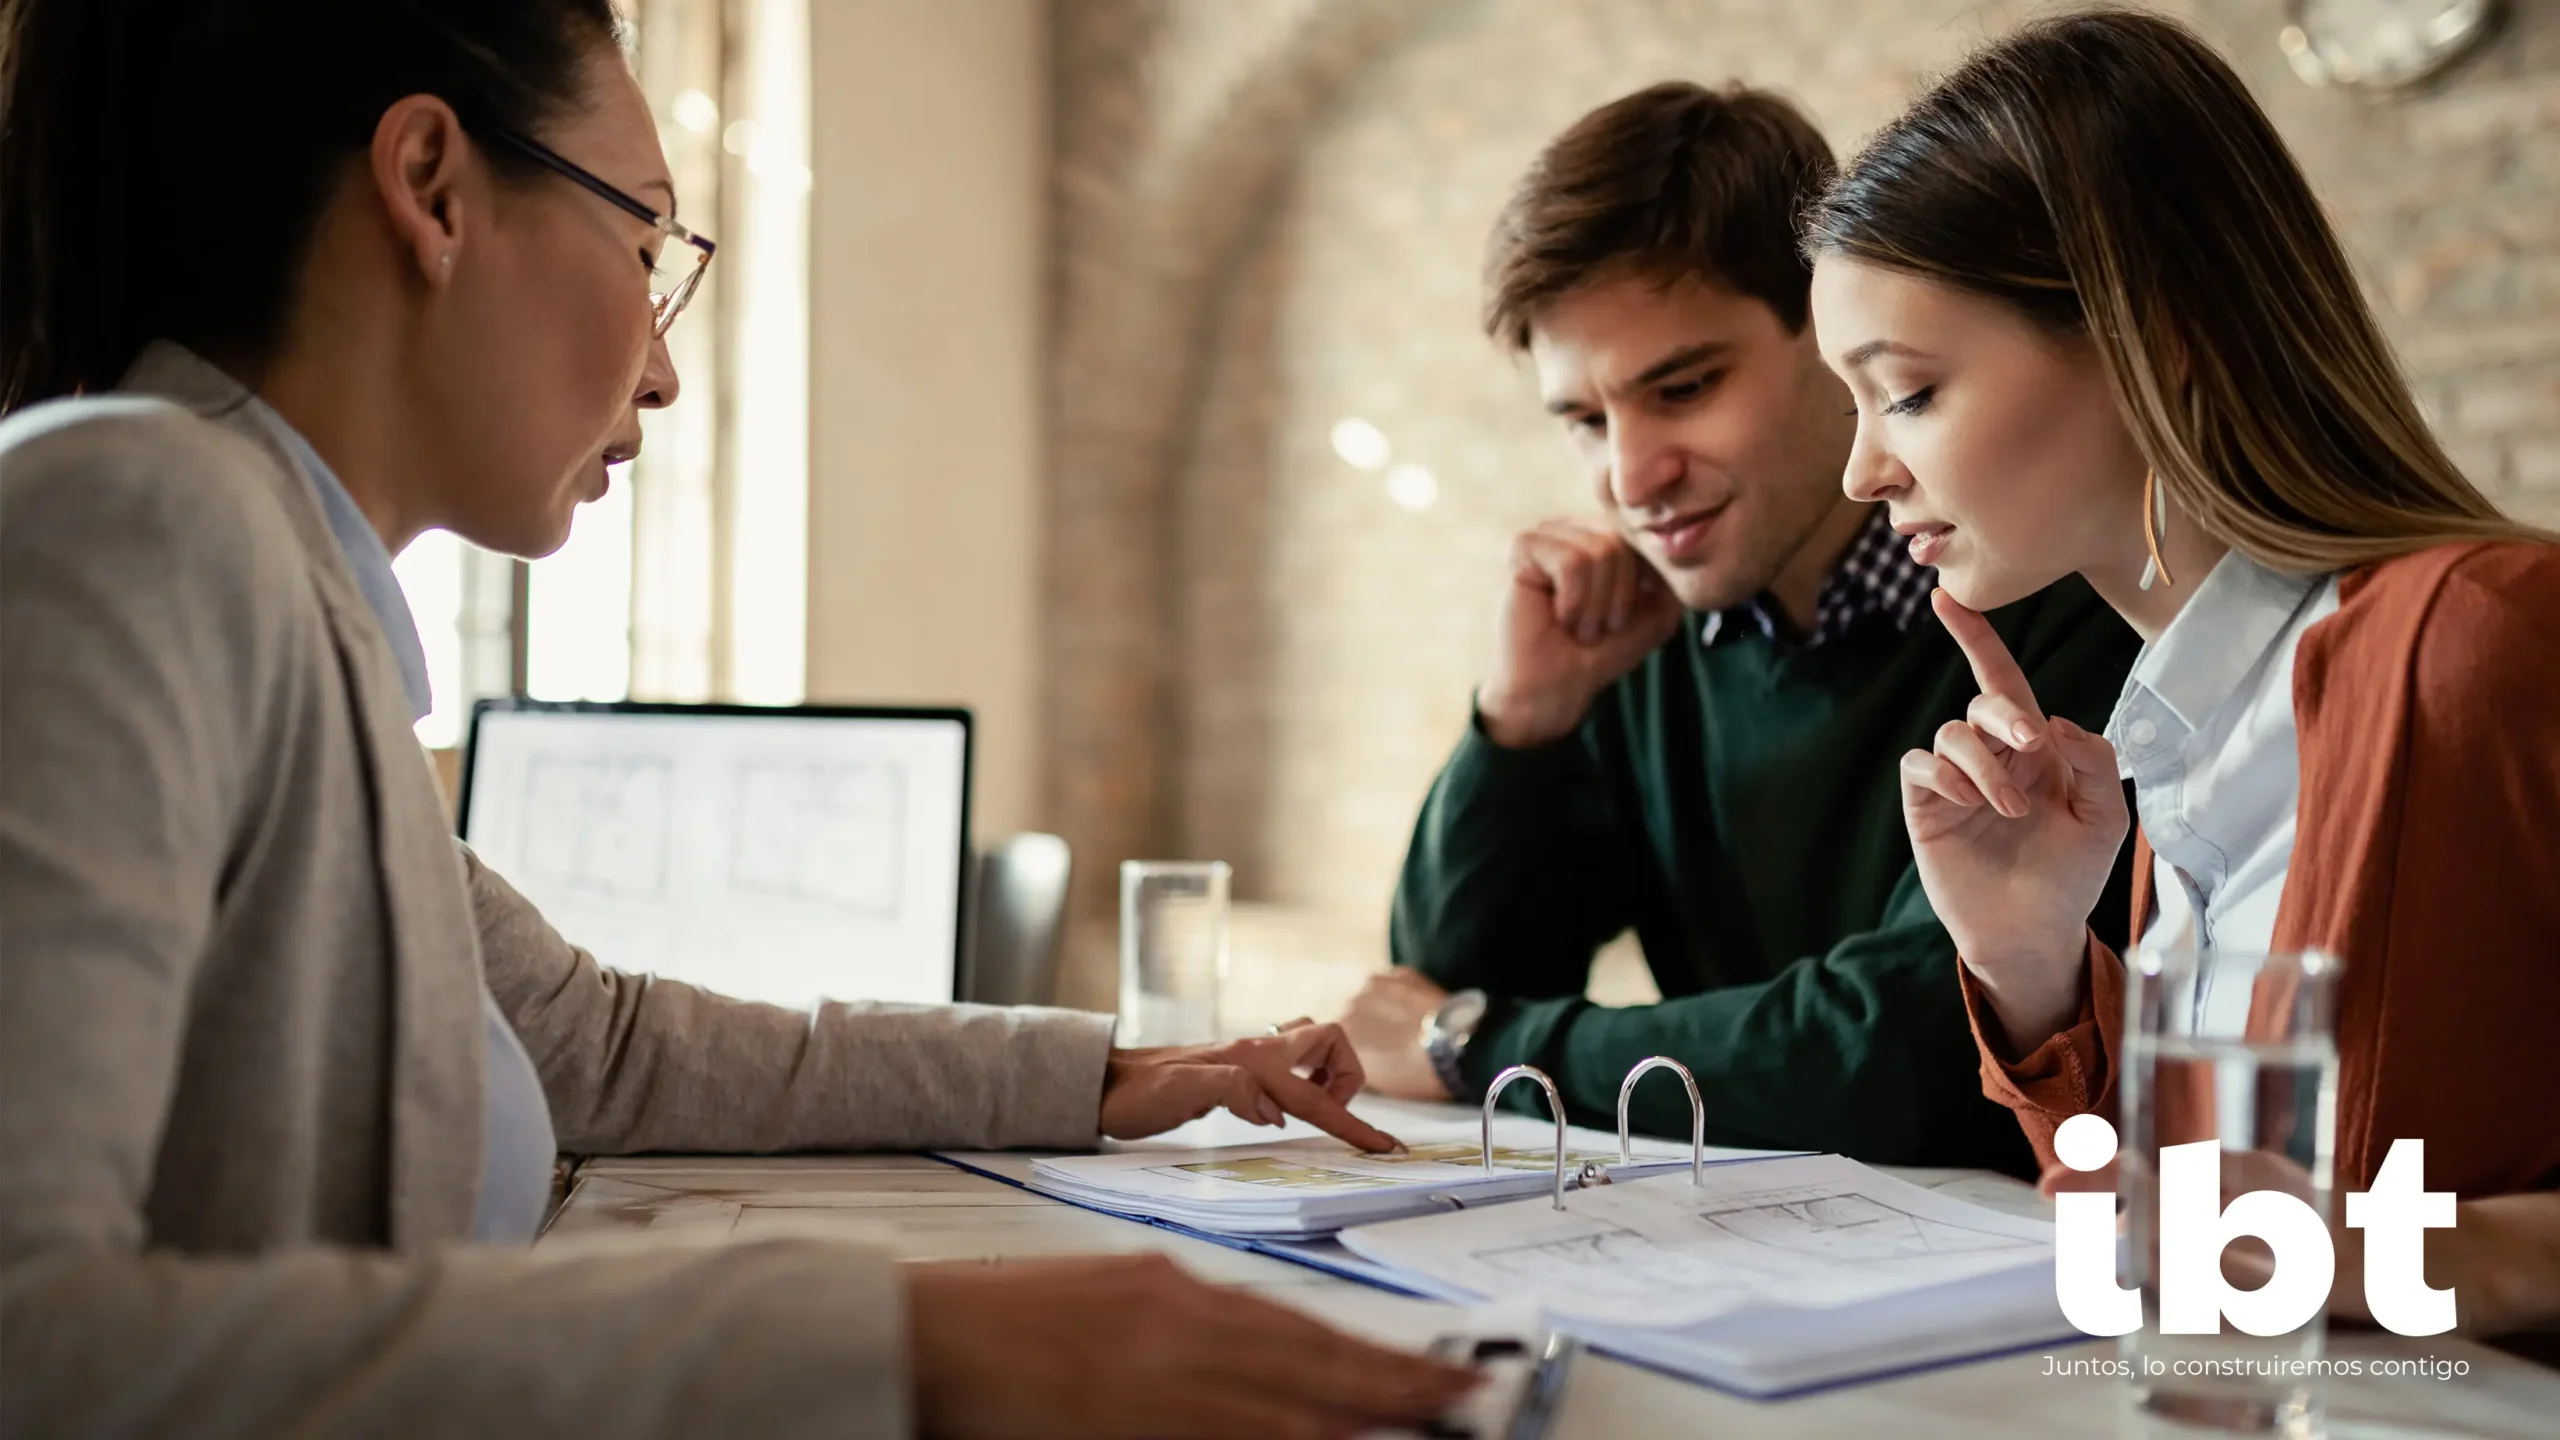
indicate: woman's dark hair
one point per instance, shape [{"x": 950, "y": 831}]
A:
[
  {"x": 163, "y": 163},
  {"x": 2107, "y": 175}
]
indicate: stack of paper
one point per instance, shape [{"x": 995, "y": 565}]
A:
[
  {"x": 1769, "y": 1278},
  {"x": 1283, "y": 1189},
  {"x": 1783, "y": 1272}
]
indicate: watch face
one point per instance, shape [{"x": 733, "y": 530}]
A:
[
  {"x": 1460, "y": 1013},
  {"x": 2380, "y": 44}
]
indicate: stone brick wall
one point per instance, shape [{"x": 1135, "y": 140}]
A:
[
  {"x": 2451, "y": 201},
  {"x": 1271, "y": 216}
]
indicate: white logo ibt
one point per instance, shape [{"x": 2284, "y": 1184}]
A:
[{"x": 2195, "y": 1226}]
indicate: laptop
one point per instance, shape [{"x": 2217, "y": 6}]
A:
[{"x": 789, "y": 853}]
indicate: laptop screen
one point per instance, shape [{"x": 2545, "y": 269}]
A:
[{"x": 788, "y": 855}]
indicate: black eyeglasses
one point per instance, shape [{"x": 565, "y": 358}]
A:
[{"x": 681, "y": 262}]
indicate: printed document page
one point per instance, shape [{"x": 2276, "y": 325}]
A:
[
  {"x": 1811, "y": 1232},
  {"x": 1314, "y": 1185},
  {"x": 1292, "y": 1170}
]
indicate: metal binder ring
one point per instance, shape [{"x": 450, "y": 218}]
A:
[
  {"x": 1697, "y": 1115},
  {"x": 1555, "y": 1107}
]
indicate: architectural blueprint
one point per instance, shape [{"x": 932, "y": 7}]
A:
[
  {"x": 1812, "y": 1231},
  {"x": 834, "y": 833},
  {"x": 598, "y": 823},
  {"x": 1313, "y": 1184},
  {"x": 772, "y": 856}
]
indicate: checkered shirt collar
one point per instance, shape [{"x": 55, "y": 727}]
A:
[{"x": 1876, "y": 577}]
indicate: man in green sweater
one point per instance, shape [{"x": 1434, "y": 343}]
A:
[{"x": 1698, "y": 699}]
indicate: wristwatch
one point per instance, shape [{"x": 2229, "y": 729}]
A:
[{"x": 1445, "y": 1033}]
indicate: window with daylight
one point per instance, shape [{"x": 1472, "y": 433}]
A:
[{"x": 688, "y": 581}]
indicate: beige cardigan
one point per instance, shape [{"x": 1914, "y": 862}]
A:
[{"x": 240, "y": 1037}]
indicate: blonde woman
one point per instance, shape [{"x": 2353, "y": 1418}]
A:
[{"x": 2095, "y": 323}]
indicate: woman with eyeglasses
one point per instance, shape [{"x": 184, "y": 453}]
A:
[
  {"x": 283, "y": 284},
  {"x": 2096, "y": 323}
]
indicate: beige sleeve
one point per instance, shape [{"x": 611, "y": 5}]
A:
[
  {"x": 631, "y": 1063},
  {"x": 139, "y": 618},
  {"x": 794, "y": 1337}
]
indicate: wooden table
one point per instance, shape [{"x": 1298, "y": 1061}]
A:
[{"x": 922, "y": 1209}]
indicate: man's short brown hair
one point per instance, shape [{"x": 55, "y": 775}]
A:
[{"x": 1674, "y": 182}]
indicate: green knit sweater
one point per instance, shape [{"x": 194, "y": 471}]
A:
[{"x": 1736, "y": 804}]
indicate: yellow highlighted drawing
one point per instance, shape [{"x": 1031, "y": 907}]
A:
[
  {"x": 1471, "y": 1152},
  {"x": 1274, "y": 1173},
  {"x": 1283, "y": 1175}
]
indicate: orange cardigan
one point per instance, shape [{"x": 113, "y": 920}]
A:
[{"x": 2426, "y": 856}]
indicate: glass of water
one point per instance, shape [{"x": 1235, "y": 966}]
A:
[
  {"x": 1173, "y": 950},
  {"x": 2239, "y": 1050}
]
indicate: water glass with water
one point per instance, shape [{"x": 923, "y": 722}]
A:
[
  {"x": 1173, "y": 950},
  {"x": 2239, "y": 1049}
]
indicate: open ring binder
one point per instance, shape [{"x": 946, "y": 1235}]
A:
[
  {"x": 1594, "y": 1173},
  {"x": 1697, "y": 1115},
  {"x": 1555, "y": 1107}
]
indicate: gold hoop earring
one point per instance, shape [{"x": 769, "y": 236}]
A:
[{"x": 2155, "y": 521}]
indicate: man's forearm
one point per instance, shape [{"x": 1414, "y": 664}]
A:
[
  {"x": 1514, "y": 877},
  {"x": 1863, "y": 1051}
]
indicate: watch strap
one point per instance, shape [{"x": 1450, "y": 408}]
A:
[{"x": 1447, "y": 1053}]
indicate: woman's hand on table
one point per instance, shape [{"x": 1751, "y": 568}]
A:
[
  {"x": 1113, "y": 1346},
  {"x": 1302, "y": 1069},
  {"x": 2015, "y": 820}
]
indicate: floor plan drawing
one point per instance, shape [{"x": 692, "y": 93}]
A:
[
  {"x": 1849, "y": 1226},
  {"x": 598, "y": 824},
  {"x": 1800, "y": 1232},
  {"x": 1741, "y": 1243},
  {"x": 1617, "y": 1265},
  {"x": 1505, "y": 1157},
  {"x": 1279, "y": 1174},
  {"x": 833, "y": 833}
]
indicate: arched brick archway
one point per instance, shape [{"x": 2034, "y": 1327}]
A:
[
  {"x": 1265, "y": 211},
  {"x": 1175, "y": 125}
]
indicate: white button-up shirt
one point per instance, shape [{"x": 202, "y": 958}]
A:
[{"x": 2205, "y": 730}]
